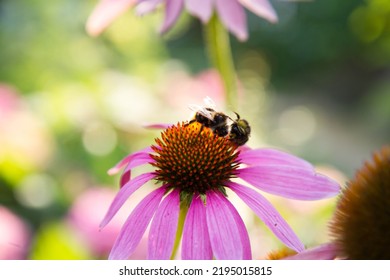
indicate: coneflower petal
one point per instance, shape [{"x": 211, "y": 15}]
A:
[
  {"x": 289, "y": 181},
  {"x": 146, "y": 6},
  {"x": 157, "y": 125},
  {"x": 202, "y": 11},
  {"x": 244, "y": 148},
  {"x": 173, "y": 9},
  {"x": 135, "y": 226},
  {"x": 196, "y": 241},
  {"x": 139, "y": 157},
  {"x": 271, "y": 156},
  {"x": 262, "y": 8},
  {"x": 232, "y": 15},
  {"x": 224, "y": 233},
  {"x": 328, "y": 251},
  {"x": 123, "y": 194},
  {"x": 163, "y": 228},
  {"x": 247, "y": 252},
  {"x": 269, "y": 215}
]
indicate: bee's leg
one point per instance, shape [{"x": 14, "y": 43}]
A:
[
  {"x": 190, "y": 122},
  {"x": 200, "y": 130},
  {"x": 221, "y": 130},
  {"x": 198, "y": 135}
]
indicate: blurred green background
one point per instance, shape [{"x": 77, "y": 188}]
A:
[{"x": 317, "y": 84}]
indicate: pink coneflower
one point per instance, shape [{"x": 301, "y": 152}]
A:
[
  {"x": 193, "y": 168},
  {"x": 231, "y": 12},
  {"x": 361, "y": 223}
]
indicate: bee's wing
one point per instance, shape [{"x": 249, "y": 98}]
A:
[
  {"x": 201, "y": 110},
  {"x": 210, "y": 103}
]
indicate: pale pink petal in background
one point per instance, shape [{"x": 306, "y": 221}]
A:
[
  {"x": 173, "y": 10},
  {"x": 262, "y": 8},
  {"x": 232, "y": 15},
  {"x": 105, "y": 13},
  {"x": 146, "y": 6},
  {"x": 203, "y": 11}
]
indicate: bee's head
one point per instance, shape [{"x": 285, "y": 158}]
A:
[
  {"x": 239, "y": 131},
  {"x": 242, "y": 125}
]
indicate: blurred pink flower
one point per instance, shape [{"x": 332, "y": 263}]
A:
[
  {"x": 195, "y": 169},
  {"x": 14, "y": 236},
  {"x": 182, "y": 88},
  {"x": 9, "y": 101},
  {"x": 25, "y": 138},
  {"x": 85, "y": 216},
  {"x": 231, "y": 12}
]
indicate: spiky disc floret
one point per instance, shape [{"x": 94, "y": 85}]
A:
[
  {"x": 361, "y": 224},
  {"x": 191, "y": 158}
]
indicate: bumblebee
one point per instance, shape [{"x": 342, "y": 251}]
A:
[
  {"x": 216, "y": 121},
  {"x": 237, "y": 131}
]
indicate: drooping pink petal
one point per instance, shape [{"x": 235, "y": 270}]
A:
[
  {"x": 247, "y": 252},
  {"x": 123, "y": 194},
  {"x": 225, "y": 237},
  {"x": 272, "y": 156},
  {"x": 327, "y": 251},
  {"x": 125, "y": 178},
  {"x": 262, "y": 8},
  {"x": 146, "y": 6},
  {"x": 105, "y": 13},
  {"x": 289, "y": 181},
  {"x": 139, "y": 155},
  {"x": 157, "y": 125},
  {"x": 137, "y": 160},
  {"x": 233, "y": 16},
  {"x": 196, "y": 241},
  {"x": 173, "y": 9},
  {"x": 163, "y": 229},
  {"x": 135, "y": 226},
  {"x": 268, "y": 214},
  {"x": 202, "y": 10}
]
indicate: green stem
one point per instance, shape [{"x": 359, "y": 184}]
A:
[
  {"x": 180, "y": 226},
  {"x": 220, "y": 54}
]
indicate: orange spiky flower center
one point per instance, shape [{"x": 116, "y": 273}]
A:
[{"x": 191, "y": 158}]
